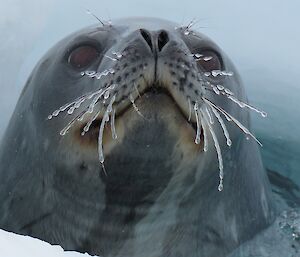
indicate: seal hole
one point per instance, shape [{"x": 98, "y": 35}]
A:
[
  {"x": 162, "y": 40},
  {"x": 147, "y": 36},
  {"x": 83, "y": 56}
]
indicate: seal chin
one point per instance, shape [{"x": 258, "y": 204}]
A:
[{"x": 155, "y": 104}]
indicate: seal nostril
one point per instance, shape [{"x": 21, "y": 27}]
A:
[
  {"x": 162, "y": 40},
  {"x": 147, "y": 36}
]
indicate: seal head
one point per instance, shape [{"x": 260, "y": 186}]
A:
[{"x": 131, "y": 139}]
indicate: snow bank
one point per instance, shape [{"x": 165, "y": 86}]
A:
[{"x": 13, "y": 245}]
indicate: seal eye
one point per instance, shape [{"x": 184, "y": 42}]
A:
[
  {"x": 83, "y": 56},
  {"x": 210, "y": 61}
]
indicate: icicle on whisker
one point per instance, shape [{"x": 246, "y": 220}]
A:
[
  {"x": 243, "y": 105},
  {"x": 224, "y": 128},
  {"x": 88, "y": 125},
  {"x": 101, "y": 130},
  {"x": 76, "y": 103},
  {"x": 205, "y": 134},
  {"x": 218, "y": 149},
  {"x": 112, "y": 124},
  {"x": 190, "y": 109},
  {"x": 198, "y": 133},
  {"x": 211, "y": 120},
  {"x": 231, "y": 118},
  {"x": 219, "y": 89},
  {"x": 71, "y": 123}
]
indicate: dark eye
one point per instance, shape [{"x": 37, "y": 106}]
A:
[
  {"x": 209, "y": 61},
  {"x": 83, "y": 56}
]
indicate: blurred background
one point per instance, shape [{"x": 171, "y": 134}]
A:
[{"x": 261, "y": 37}]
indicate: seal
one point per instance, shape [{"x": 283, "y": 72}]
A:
[{"x": 132, "y": 139}]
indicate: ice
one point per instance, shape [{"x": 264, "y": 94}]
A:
[
  {"x": 98, "y": 75},
  {"x": 198, "y": 133},
  {"x": 220, "y": 87},
  {"x": 215, "y": 89},
  {"x": 13, "y": 245},
  {"x": 243, "y": 105},
  {"x": 218, "y": 149},
  {"x": 231, "y": 118},
  {"x": 225, "y": 131},
  {"x": 205, "y": 147},
  {"x": 190, "y": 109},
  {"x": 227, "y": 91},
  {"x": 207, "y": 58},
  {"x": 118, "y": 55},
  {"x": 112, "y": 124},
  {"x": 87, "y": 126},
  {"x": 101, "y": 130},
  {"x": 211, "y": 120}
]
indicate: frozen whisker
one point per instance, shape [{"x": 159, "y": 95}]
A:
[
  {"x": 199, "y": 57},
  {"x": 105, "y": 93},
  {"x": 205, "y": 134},
  {"x": 77, "y": 103},
  {"x": 135, "y": 107},
  {"x": 118, "y": 55},
  {"x": 211, "y": 120},
  {"x": 218, "y": 149},
  {"x": 216, "y": 73},
  {"x": 112, "y": 124},
  {"x": 190, "y": 109},
  {"x": 111, "y": 58},
  {"x": 98, "y": 75},
  {"x": 198, "y": 133},
  {"x": 224, "y": 128},
  {"x": 219, "y": 89},
  {"x": 72, "y": 122},
  {"x": 90, "y": 13},
  {"x": 231, "y": 118},
  {"x": 243, "y": 105},
  {"x": 207, "y": 58},
  {"x": 105, "y": 119},
  {"x": 88, "y": 125},
  {"x": 73, "y": 105},
  {"x": 136, "y": 89}
]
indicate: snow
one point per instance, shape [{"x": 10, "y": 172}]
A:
[{"x": 13, "y": 245}]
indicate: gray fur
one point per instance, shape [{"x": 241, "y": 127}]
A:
[{"x": 158, "y": 199}]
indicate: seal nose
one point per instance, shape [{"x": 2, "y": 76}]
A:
[
  {"x": 156, "y": 41},
  {"x": 162, "y": 39}
]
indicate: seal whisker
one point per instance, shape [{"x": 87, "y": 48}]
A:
[
  {"x": 112, "y": 124},
  {"x": 98, "y": 75},
  {"x": 211, "y": 120},
  {"x": 218, "y": 149},
  {"x": 243, "y": 105},
  {"x": 135, "y": 107},
  {"x": 101, "y": 130},
  {"x": 221, "y": 90},
  {"x": 74, "y": 104},
  {"x": 190, "y": 109},
  {"x": 87, "y": 126},
  {"x": 137, "y": 90},
  {"x": 231, "y": 118},
  {"x": 90, "y": 13},
  {"x": 224, "y": 128},
  {"x": 71, "y": 123},
  {"x": 198, "y": 133}
]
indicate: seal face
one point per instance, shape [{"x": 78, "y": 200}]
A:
[{"x": 129, "y": 140}]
